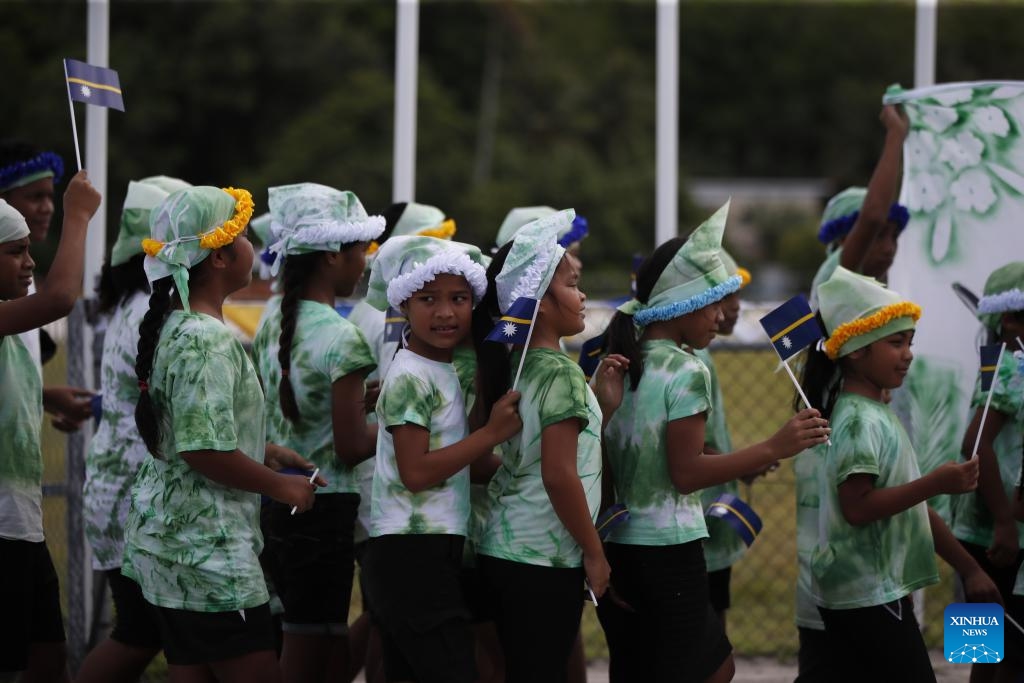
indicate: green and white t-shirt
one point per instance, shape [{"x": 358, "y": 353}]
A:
[
  {"x": 808, "y": 466},
  {"x": 426, "y": 393},
  {"x": 21, "y": 460},
  {"x": 192, "y": 543},
  {"x": 116, "y": 451},
  {"x": 675, "y": 384},
  {"x": 972, "y": 521},
  {"x": 520, "y": 523},
  {"x": 887, "y": 559},
  {"x": 370, "y": 322},
  {"x": 724, "y": 546},
  {"x": 325, "y": 348}
]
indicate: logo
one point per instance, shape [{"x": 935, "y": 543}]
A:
[{"x": 974, "y": 633}]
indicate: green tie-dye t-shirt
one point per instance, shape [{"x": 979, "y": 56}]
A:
[
  {"x": 519, "y": 523},
  {"x": 675, "y": 385},
  {"x": 192, "y": 543},
  {"x": 972, "y": 521},
  {"x": 21, "y": 461},
  {"x": 325, "y": 348},
  {"x": 724, "y": 546},
  {"x": 116, "y": 451},
  {"x": 426, "y": 393},
  {"x": 370, "y": 322},
  {"x": 807, "y": 468},
  {"x": 864, "y": 566}
]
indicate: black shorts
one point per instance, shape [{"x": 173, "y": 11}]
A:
[
  {"x": 30, "y": 596},
  {"x": 718, "y": 589},
  {"x": 879, "y": 643},
  {"x": 674, "y": 634},
  {"x": 537, "y": 612},
  {"x": 136, "y": 622},
  {"x": 314, "y": 563},
  {"x": 814, "y": 665},
  {"x": 1004, "y": 578},
  {"x": 204, "y": 637},
  {"x": 414, "y": 582}
]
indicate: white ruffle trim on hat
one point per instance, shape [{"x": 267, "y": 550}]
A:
[
  {"x": 451, "y": 261},
  {"x": 324, "y": 233},
  {"x": 1003, "y": 302},
  {"x": 532, "y": 278}
]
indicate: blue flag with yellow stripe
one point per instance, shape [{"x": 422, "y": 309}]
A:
[
  {"x": 93, "y": 84},
  {"x": 590, "y": 354},
  {"x": 989, "y": 364},
  {"x": 514, "y": 326},
  {"x": 792, "y": 327},
  {"x": 394, "y": 324}
]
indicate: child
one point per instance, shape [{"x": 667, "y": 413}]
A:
[
  {"x": 983, "y": 522},
  {"x": 538, "y": 542},
  {"x": 313, "y": 364},
  {"x": 420, "y": 505},
  {"x": 192, "y": 537},
  {"x": 32, "y": 639},
  {"x": 875, "y": 542},
  {"x": 116, "y": 452},
  {"x": 655, "y": 446}
]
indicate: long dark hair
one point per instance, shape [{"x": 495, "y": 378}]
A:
[
  {"x": 821, "y": 380},
  {"x": 297, "y": 270},
  {"x": 621, "y": 334},
  {"x": 149, "y": 334},
  {"x": 118, "y": 283},
  {"x": 492, "y": 366}
]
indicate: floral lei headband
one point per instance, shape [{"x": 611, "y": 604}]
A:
[{"x": 220, "y": 236}]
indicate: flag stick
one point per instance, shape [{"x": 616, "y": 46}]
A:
[
  {"x": 1014, "y": 622},
  {"x": 312, "y": 478},
  {"x": 1020, "y": 343},
  {"x": 800, "y": 389},
  {"x": 526, "y": 346},
  {"x": 593, "y": 598},
  {"x": 74, "y": 126},
  {"x": 988, "y": 401}
]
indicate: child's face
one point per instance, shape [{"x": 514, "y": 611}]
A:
[
  {"x": 730, "y": 313},
  {"x": 15, "y": 269},
  {"x": 35, "y": 202},
  {"x": 348, "y": 268},
  {"x": 885, "y": 363},
  {"x": 440, "y": 316},
  {"x": 882, "y": 252},
  {"x": 698, "y": 328},
  {"x": 562, "y": 307}
]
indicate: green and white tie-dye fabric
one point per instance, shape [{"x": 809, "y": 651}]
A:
[
  {"x": 972, "y": 521},
  {"x": 426, "y": 393},
  {"x": 724, "y": 546},
  {"x": 116, "y": 451},
  {"x": 807, "y": 468},
  {"x": 520, "y": 524},
  {"x": 825, "y": 271},
  {"x": 675, "y": 384},
  {"x": 884, "y": 560},
  {"x": 325, "y": 348},
  {"x": 370, "y": 322},
  {"x": 192, "y": 543},
  {"x": 21, "y": 463}
]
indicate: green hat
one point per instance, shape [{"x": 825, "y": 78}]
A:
[
  {"x": 840, "y": 214},
  {"x": 532, "y": 260},
  {"x": 733, "y": 269},
  {"x": 143, "y": 196},
  {"x": 517, "y": 218},
  {"x": 308, "y": 217},
  {"x": 260, "y": 226},
  {"x": 425, "y": 221},
  {"x": 1004, "y": 293},
  {"x": 696, "y": 277},
  {"x": 859, "y": 310},
  {"x": 186, "y": 228},
  {"x": 406, "y": 263},
  {"x": 12, "y": 223}
]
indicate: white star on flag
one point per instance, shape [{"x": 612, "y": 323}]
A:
[
  {"x": 509, "y": 330},
  {"x": 86, "y": 90},
  {"x": 787, "y": 343}
]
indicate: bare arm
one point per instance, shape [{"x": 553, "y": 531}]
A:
[
  {"x": 63, "y": 284},
  {"x": 862, "y": 502},
  {"x": 354, "y": 439},
  {"x": 882, "y": 190},
  {"x": 1005, "y": 544},
  {"x": 236, "y": 470},
  {"x": 977, "y": 584}
]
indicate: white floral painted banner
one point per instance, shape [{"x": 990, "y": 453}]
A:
[{"x": 963, "y": 182}]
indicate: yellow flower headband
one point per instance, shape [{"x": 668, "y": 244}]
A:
[
  {"x": 445, "y": 231},
  {"x": 855, "y": 328},
  {"x": 222, "y": 235}
]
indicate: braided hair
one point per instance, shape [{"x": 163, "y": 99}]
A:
[
  {"x": 149, "y": 334},
  {"x": 297, "y": 270}
]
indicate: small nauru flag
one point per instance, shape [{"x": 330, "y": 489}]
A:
[
  {"x": 93, "y": 84},
  {"x": 514, "y": 326},
  {"x": 394, "y": 323},
  {"x": 737, "y": 514},
  {"x": 989, "y": 364},
  {"x": 792, "y": 327},
  {"x": 590, "y": 354},
  {"x": 614, "y": 516}
]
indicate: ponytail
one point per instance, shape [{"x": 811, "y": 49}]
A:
[
  {"x": 149, "y": 334},
  {"x": 622, "y": 333},
  {"x": 118, "y": 283},
  {"x": 297, "y": 269},
  {"x": 493, "y": 368},
  {"x": 821, "y": 380}
]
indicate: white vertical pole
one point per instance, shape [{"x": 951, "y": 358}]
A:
[
  {"x": 924, "y": 43},
  {"x": 667, "y": 136},
  {"x": 98, "y": 50},
  {"x": 406, "y": 67}
]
